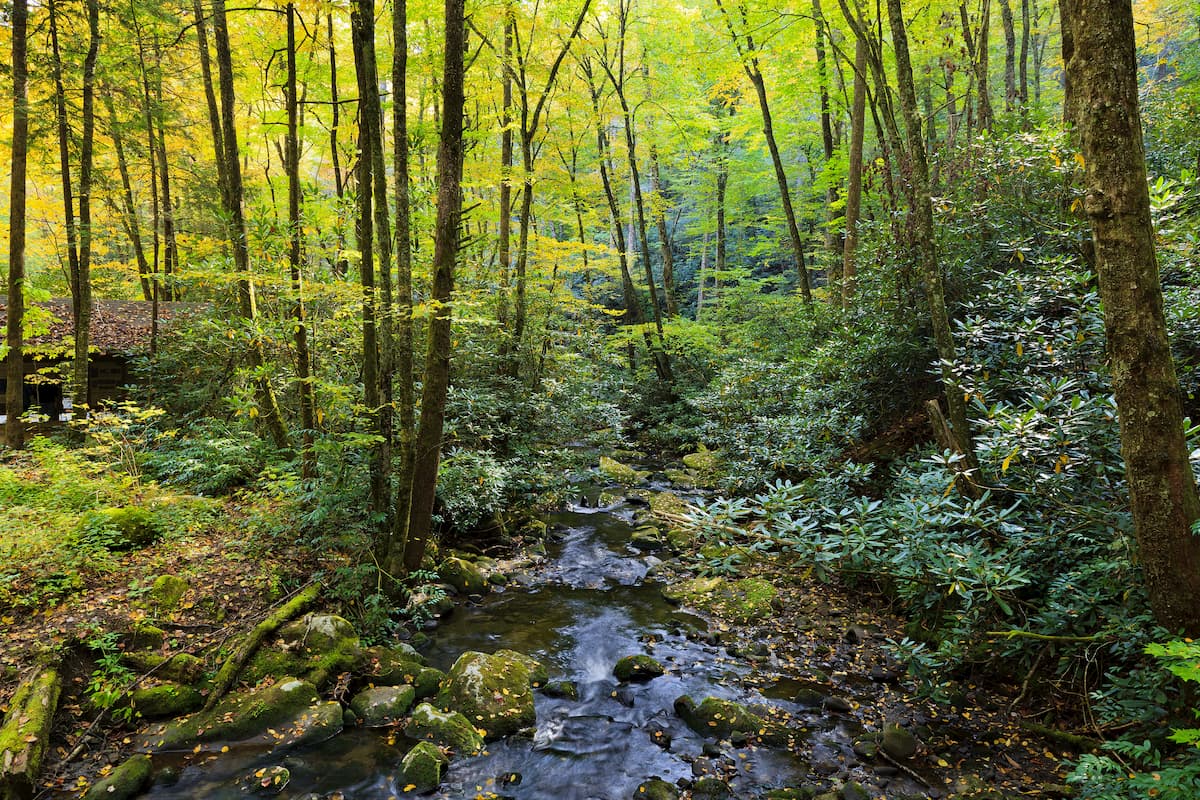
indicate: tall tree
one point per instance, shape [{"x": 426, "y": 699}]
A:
[
  {"x": 858, "y": 124},
  {"x": 1162, "y": 488},
  {"x": 268, "y": 405},
  {"x": 428, "y": 446},
  {"x": 14, "y": 406},
  {"x": 83, "y": 280},
  {"x": 747, "y": 51}
]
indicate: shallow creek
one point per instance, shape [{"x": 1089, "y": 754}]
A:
[{"x": 588, "y": 604}]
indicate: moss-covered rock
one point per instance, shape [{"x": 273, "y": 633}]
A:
[
  {"x": 265, "y": 780},
  {"x": 382, "y": 705},
  {"x": 710, "y": 787},
  {"x": 703, "y": 462},
  {"x": 647, "y": 537},
  {"x": 538, "y": 674},
  {"x": 721, "y": 719},
  {"x": 166, "y": 700},
  {"x": 637, "y": 669},
  {"x": 423, "y": 766},
  {"x": 741, "y": 601},
  {"x": 621, "y": 473},
  {"x": 565, "y": 690},
  {"x": 179, "y": 668},
  {"x": 656, "y": 789},
  {"x": 493, "y": 691},
  {"x": 315, "y": 648},
  {"x": 127, "y": 528},
  {"x": 386, "y": 666},
  {"x": 681, "y": 478},
  {"x": 667, "y": 503},
  {"x": 853, "y": 790},
  {"x": 428, "y": 682},
  {"x": 126, "y": 781},
  {"x": 239, "y": 716},
  {"x": 465, "y": 576},
  {"x": 145, "y": 636},
  {"x": 166, "y": 592},
  {"x": 897, "y": 742},
  {"x": 448, "y": 728}
]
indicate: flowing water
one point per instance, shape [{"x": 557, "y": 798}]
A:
[{"x": 589, "y": 604}]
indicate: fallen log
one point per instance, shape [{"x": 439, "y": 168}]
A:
[
  {"x": 233, "y": 665},
  {"x": 25, "y": 734}
]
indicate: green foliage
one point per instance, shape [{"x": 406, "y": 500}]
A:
[
  {"x": 110, "y": 679},
  {"x": 471, "y": 487}
]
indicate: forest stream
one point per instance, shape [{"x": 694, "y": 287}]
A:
[{"x": 591, "y": 601}]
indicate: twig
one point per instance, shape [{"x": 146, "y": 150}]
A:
[{"x": 1045, "y": 637}]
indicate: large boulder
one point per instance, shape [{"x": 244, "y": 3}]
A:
[
  {"x": 126, "y": 781},
  {"x": 492, "y": 691},
  {"x": 423, "y": 767},
  {"x": 721, "y": 719},
  {"x": 465, "y": 576},
  {"x": 741, "y": 601},
  {"x": 538, "y": 674},
  {"x": 621, "y": 473},
  {"x": 315, "y": 648},
  {"x": 166, "y": 700},
  {"x": 448, "y": 728},
  {"x": 382, "y": 705},
  {"x": 286, "y": 713}
]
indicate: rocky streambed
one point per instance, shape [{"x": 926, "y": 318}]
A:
[{"x": 592, "y": 673}]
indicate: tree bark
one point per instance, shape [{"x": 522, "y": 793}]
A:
[
  {"x": 80, "y": 383},
  {"x": 1011, "y": 97},
  {"x": 64, "y": 163},
  {"x": 504, "y": 243},
  {"x": 445, "y": 253},
  {"x": 1162, "y": 489},
  {"x": 922, "y": 211},
  {"x": 170, "y": 247},
  {"x": 858, "y": 124},
  {"x": 210, "y": 97},
  {"x": 132, "y": 227},
  {"x": 14, "y": 405},
  {"x": 268, "y": 405},
  {"x": 833, "y": 245},
  {"x": 658, "y": 205}
]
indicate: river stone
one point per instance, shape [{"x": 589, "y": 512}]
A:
[
  {"x": 802, "y": 793},
  {"x": 464, "y": 576},
  {"x": 710, "y": 787},
  {"x": 621, "y": 473},
  {"x": 166, "y": 700},
  {"x": 423, "y": 767},
  {"x": 656, "y": 789},
  {"x": 319, "y": 633},
  {"x": 448, "y": 728},
  {"x": 428, "y": 682},
  {"x": 265, "y": 780},
  {"x": 703, "y": 462},
  {"x": 145, "y": 636},
  {"x": 647, "y": 537},
  {"x": 637, "y": 669},
  {"x": 566, "y": 690},
  {"x": 126, "y": 781},
  {"x": 741, "y": 601},
  {"x": 239, "y": 716},
  {"x": 167, "y": 591},
  {"x": 538, "y": 674},
  {"x": 719, "y": 718},
  {"x": 492, "y": 691},
  {"x": 853, "y": 790},
  {"x": 382, "y": 705},
  {"x": 898, "y": 743},
  {"x": 384, "y": 666}
]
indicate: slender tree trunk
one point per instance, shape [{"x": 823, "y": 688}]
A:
[
  {"x": 925, "y": 236},
  {"x": 308, "y": 412},
  {"x": 1164, "y": 502},
  {"x": 210, "y": 98},
  {"x": 64, "y": 163},
  {"x": 833, "y": 244},
  {"x": 1023, "y": 61},
  {"x": 658, "y": 205},
  {"x": 721, "y": 262},
  {"x": 504, "y": 249},
  {"x": 858, "y": 124},
  {"x": 341, "y": 266},
  {"x": 14, "y": 405},
  {"x": 437, "y": 360},
  {"x": 268, "y": 405},
  {"x": 132, "y": 226},
  {"x": 406, "y": 391},
  {"x": 982, "y": 66},
  {"x": 1011, "y": 95},
  {"x": 152, "y": 159},
  {"x": 170, "y": 247},
  {"x": 1067, "y": 11},
  {"x": 83, "y": 286}
]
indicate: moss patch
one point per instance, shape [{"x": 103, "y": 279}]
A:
[
  {"x": 621, "y": 473},
  {"x": 423, "y": 766},
  {"x": 128, "y": 780},
  {"x": 741, "y": 601},
  {"x": 448, "y": 728},
  {"x": 492, "y": 691}
]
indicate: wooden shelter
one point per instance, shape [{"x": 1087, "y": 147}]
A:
[{"x": 120, "y": 331}]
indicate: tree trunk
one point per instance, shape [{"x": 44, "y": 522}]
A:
[
  {"x": 504, "y": 244},
  {"x": 1162, "y": 489},
  {"x": 858, "y": 124},
  {"x": 308, "y": 413},
  {"x": 14, "y": 401},
  {"x": 406, "y": 399},
  {"x": 922, "y": 210},
  {"x": 1023, "y": 61},
  {"x": 437, "y": 359},
  {"x": 83, "y": 286},
  {"x": 64, "y": 163},
  {"x": 658, "y": 205},
  {"x": 268, "y": 406},
  {"x": 170, "y": 247},
  {"x": 132, "y": 227},
  {"x": 833, "y": 245},
  {"x": 1011, "y": 96},
  {"x": 340, "y": 266},
  {"x": 210, "y": 97}
]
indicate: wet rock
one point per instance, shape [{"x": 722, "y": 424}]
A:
[
  {"x": 866, "y": 749},
  {"x": 898, "y": 743},
  {"x": 382, "y": 705},
  {"x": 463, "y": 575},
  {"x": 621, "y": 473},
  {"x": 166, "y": 700},
  {"x": 710, "y": 787},
  {"x": 719, "y": 718},
  {"x": 385, "y": 666},
  {"x": 853, "y": 790},
  {"x": 448, "y": 728},
  {"x": 741, "y": 601},
  {"x": 315, "y": 648},
  {"x": 126, "y": 781},
  {"x": 855, "y": 634},
  {"x": 660, "y": 735},
  {"x": 493, "y": 691},
  {"x": 266, "y": 781},
  {"x": 637, "y": 669},
  {"x": 703, "y": 463},
  {"x": 538, "y": 674},
  {"x": 285, "y": 713},
  {"x": 837, "y": 704},
  {"x": 646, "y": 537},
  {"x": 423, "y": 766},
  {"x": 565, "y": 690},
  {"x": 428, "y": 682},
  {"x": 624, "y": 696},
  {"x": 656, "y": 789},
  {"x": 802, "y": 793},
  {"x": 167, "y": 591},
  {"x": 884, "y": 674}
]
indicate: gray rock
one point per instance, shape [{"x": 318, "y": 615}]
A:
[
  {"x": 898, "y": 743},
  {"x": 383, "y": 705}
]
